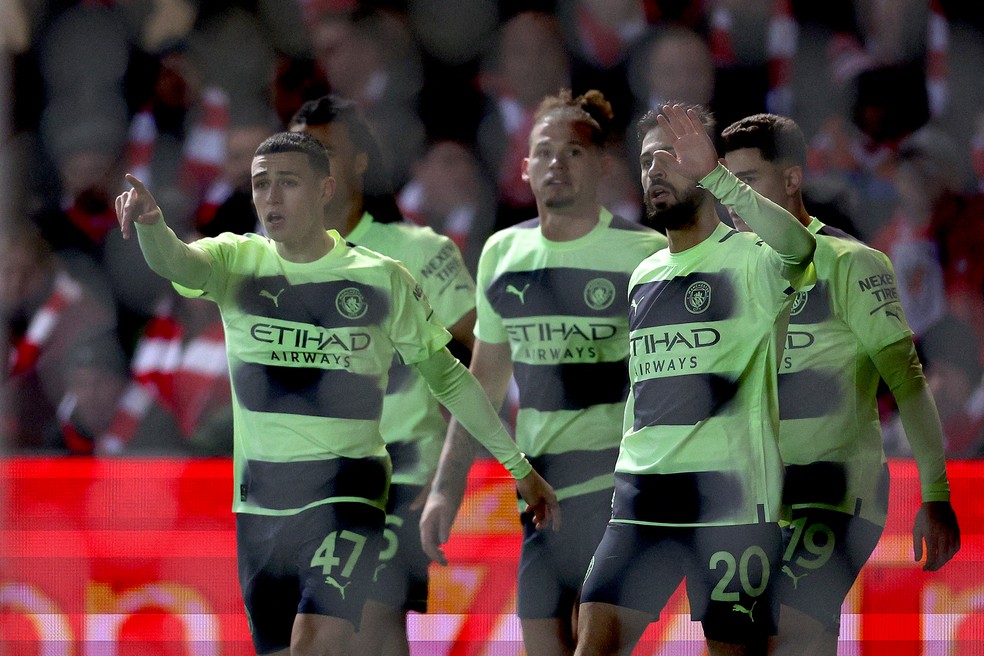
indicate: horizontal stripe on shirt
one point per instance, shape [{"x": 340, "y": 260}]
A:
[
  {"x": 682, "y": 498},
  {"x": 573, "y": 467},
  {"x": 291, "y": 485},
  {"x": 570, "y": 386},
  {"x": 681, "y": 400},
  {"x": 808, "y": 394},
  {"x": 331, "y": 393}
]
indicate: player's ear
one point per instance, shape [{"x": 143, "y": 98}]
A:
[
  {"x": 524, "y": 165},
  {"x": 327, "y": 189},
  {"x": 792, "y": 179}
]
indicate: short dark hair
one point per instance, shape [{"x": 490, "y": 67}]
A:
[
  {"x": 377, "y": 185},
  {"x": 650, "y": 120},
  {"x": 590, "y": 109},
  {"x": 297, "y": 142},
  {"x": 778, "y": 138}
]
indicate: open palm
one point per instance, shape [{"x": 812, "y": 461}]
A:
[{"x": 684, "y": 132}]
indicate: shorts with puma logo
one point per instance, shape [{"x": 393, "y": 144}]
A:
[
  {"x": 319, "y": 561},
  {"x": 731, "y": 574}
]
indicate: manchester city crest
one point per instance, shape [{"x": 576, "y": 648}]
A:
[
  {"x": 698, "y": 297},
  {"x": 351, "y": 303},
  {"x": 599, "y": 293},
  {"x": 799, "y": 303}
]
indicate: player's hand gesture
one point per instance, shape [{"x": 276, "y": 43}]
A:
[
  {"x": 136, "y": 206},
  {"x": 936, "y": 524},
  {"x": 693, "y": 149},
  {"x": 541, "y": 500}
]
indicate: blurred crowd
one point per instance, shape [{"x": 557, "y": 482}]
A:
[{"x": 103, "y": 357}]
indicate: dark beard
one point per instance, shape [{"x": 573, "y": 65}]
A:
[{"x": 673, "y": 217}]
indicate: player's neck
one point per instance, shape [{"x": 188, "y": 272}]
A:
[
  {"x": 797, "y": 208},
  {"x": 310, "y": 249},
  {"x": 705, "y": 223},
  {"x": 344, "y": 214},
  {"x": 568, "y": 225}
]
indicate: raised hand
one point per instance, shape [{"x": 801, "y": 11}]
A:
[
  {"x": 136, "y": 206},
  {"x": 936, "y": 524},
  {"x": 692, "y": 147},
  {"x": 541, "y": 499}
]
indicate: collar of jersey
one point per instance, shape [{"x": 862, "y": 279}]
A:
[
  {"x": 604, "y": 220},
  {"x": 703, "y": 247},
  {"x": 360, "y": 228},
  {"x": 337, "y": 251},
  {"x": 815, "y": 226}
]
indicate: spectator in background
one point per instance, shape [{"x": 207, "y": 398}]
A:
[
  {"x": 228, "y": 203},
  {"x": 158, "y": 129},
  {"x": 529, "y": 63},
  {"x": 180, "y": 361},
  {"x": 217, "y": 48},
  {"x": 601, "y": 37},
  {"x": 44, "y": 311},
  {"x": 370, "y": 57},
  {"x": 447, "y": 193},
  {"x": 952, "y": 352},
  {"x": 932, "y": 237},
  {"x": 675, "y": 63},
  {"x": 602, "y": 33},
  {"x": 87, "y": 149},
  {"x": 101, "y": 413}
]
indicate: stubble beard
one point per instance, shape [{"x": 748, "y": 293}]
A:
[{"x": 676, "y": 216}]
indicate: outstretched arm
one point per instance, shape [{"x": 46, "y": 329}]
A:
[
  {"x": 936, "y": 523},
  {"x": 460, "y": 391},
  {"x": 167, "y": 255}
]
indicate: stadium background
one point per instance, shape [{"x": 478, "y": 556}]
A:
[{"x": 136, "y": 555}]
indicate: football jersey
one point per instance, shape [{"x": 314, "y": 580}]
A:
[
  {"x": 700, "y": 443},
  {"x": 412, "y": 423},
  {"x": 562, "y": 308},
  {"x": 830, "y": 434},
  {"x": 309, "y": 346}
]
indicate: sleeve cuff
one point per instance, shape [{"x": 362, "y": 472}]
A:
[
  {"x": 936, "y": 492},
  {"x": 518, "y": 466}
]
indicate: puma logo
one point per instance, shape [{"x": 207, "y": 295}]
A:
[
  {"x": 330, "y": 580},
  {"x": 273, "y": 297},
  {"x": 738, "y": 608},
  {"x": 893, "y": 313},
  {"x": 635, "y": 304},
  {"x": 379, "y": 568},
  {"x": 788, "y": 572},
  {"x": 521, "y": 293}
]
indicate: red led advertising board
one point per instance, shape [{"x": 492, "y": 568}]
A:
[{"x": 137, "y": 557}]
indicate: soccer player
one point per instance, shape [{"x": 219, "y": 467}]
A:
[
  {"x": 698, "y": 481},
  {"x": 844, "y": 335},
  {"x": 312, "y": 324},
  {"x": 365, "y": 213},
  {"x": 552, "y": 311}
]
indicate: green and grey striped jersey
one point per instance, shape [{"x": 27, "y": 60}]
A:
[
  {"x": 562, "y": 308},
  {"x": 309, "y": 348}
]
